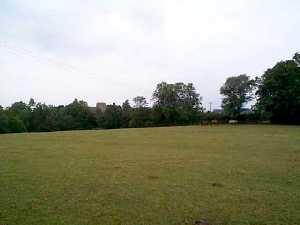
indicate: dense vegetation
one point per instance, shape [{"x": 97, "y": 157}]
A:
[
  {"x": 277, "y": 92},
  {"x": 173, "y": 104}
]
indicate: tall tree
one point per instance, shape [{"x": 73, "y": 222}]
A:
[
  {"x": 297, "y": 58},
  {"x": 236, "y": 91},
  {"x": 140, "y": 102},
  {"x": 126, "y": 111},
  {"x": 65, "y": 121},
  {"x": 4, "y": 121},
  {"x": 176, "y": 103},
  {"x": 140, "y": 115},
  {"x": 279, "y": 93},
  {"x": 31, "y": 103},
  {"x": 82, "y": 116},
  {"x": 112, "y": 116},
  {"x": 20, "y": 112},
  {"x": 44, "y": 118},
  {"x": 176, "y": 94},
  {"x": 16, "y": 125}
]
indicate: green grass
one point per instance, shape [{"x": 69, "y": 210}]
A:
[{"x": 233, "y": 175}]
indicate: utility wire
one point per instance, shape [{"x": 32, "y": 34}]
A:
[{"x": 18, "y": 51}]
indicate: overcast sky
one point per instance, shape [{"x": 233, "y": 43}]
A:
[{"x": 110, "y": 50}]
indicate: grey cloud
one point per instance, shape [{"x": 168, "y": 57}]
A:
[{"x": 123, "y": 48}]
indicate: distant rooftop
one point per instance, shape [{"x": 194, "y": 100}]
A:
[{"x": 100, "y": 106}]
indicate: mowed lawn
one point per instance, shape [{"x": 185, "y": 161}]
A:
[{"x": 227, "y": 175}]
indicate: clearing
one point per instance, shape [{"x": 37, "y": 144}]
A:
[{"x": 227, "y": 175}]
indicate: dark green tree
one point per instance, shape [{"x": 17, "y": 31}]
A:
[
  {"x": 236, "y": 91},
  {"x": 177, "y": 103},
  {"x": 16, "y": 125},
  {"x": 31, "y": 103},
  {"x": 140, "y": 115},
  {"x": 140, "y": 102},
  {"x": 297, "y": 58},
  {"x": 44, "y": 118},
  {"x": 4, "y": 121},
  {"x": 65, "y": 121},
  {"x": 126, "y": 111},
  {"x": 112, "y": 117},
  {"x": 20, "y": 111},
  {"x": 83, "y": 117},
  {"x": 279, "y": 93}
]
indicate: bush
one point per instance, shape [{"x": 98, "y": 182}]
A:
[{"x": 16, "y": 125}]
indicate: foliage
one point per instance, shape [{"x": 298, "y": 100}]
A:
[
  {"x": 112, "y": 116},
  {"x": 126, "y": 113},
  {"x": 16, "y": 125},
  {"x": 237, "y": 91},
  {"x": 140, "y": 117},
  {"x": 140, "y": 102},
  {"x": 297, "y": 58},
  {"x": 278, "y": 99},
  {"x": 82, "y": 116},
  {"x": 20, "y": 112},
  {"x": 43, "y": 118},
  {"x": 140, "y": 114},
  {"x": 4, "y": 122},
  {"x": 177, "y": 103},
  {"x": 279, "y": 93}
]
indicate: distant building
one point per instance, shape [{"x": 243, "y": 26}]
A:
[{"x": 100, "y": 107}]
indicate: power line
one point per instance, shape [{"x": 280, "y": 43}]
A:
[
  {"x": 28, "y": 53},
  {"x": 19, "y": 51}
]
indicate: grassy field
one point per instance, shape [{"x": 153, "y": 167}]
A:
[{"x": 233, "y": 175}]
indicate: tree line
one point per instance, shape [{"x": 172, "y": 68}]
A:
[{"x": 277, "y": 95}]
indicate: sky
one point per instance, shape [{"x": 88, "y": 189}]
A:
[{"x": 113, "y": 50}]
